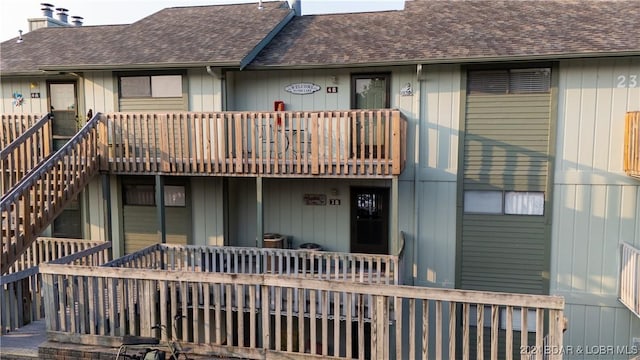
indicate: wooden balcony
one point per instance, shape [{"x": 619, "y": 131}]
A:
[
  {"x": 221, "y": 307},
  {"x": 632, "y": 144},
  {"x": 357, "y": 143}
]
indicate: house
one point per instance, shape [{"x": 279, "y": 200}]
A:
[{"x": 502, "y": 165}]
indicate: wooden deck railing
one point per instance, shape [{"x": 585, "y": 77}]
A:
[
  {"x": 364, "y": 268},
  {"x": 13, "y": 125},
  {"x": 24, "y": 153},
  {"x": 632, "y": 144},
  {"x": 354, "y": 143},
  {"x": 33, "y": 203},
  {"x": 20, "y": 291},
  {"x": 630, "y": 278},
  {"x": 258, "y": 315}
]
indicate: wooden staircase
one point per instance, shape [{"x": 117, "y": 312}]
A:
[{"x": 38, "y": 198}]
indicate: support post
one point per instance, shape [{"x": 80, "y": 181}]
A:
[
  {"x": 259, "y": 212},
  {"x": 106, "y": 198},
  {"x": 394, "y": 216},
  {"x": 162, "y": 231}
]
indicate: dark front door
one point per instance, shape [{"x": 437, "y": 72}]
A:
[
  {"x": 63, "y": 106},
  {"x": 369, "y": 220}
]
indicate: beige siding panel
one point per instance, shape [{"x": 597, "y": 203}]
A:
[
  {"x": 153, "y": 105},
  {"x": 436, "y": 245},
  {"x": 441, "y": 119},
  {"x": 23, "y": 86},
  {"x": 596, "y": 325},
  {"x": 140, "y": 227},
  {"x": 95, "y": 220},
  {"x": 208, "y": 210},
  {"x": 99, "y": 91},
  {"x": 205, "y": 91},
  {"x": 592, "y": 102}
]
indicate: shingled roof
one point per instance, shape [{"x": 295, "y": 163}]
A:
[
  {"x": 455, "y": 31},
  {"x": 213, "y": 35}
]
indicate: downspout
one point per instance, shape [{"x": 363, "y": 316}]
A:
[{"x": 416, "y": 177}]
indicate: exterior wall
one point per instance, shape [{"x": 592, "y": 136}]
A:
[
  {"x": 205, "y": 91},
  {"x": 207, "y": 204},
  {"x": 22, "y": 85},
  {"x": 434, "y": 237},
  {"x": 596, "y": 206}
]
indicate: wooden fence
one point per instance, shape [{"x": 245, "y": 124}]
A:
[
  {"x": 32, "y": 204},
  {"x": 333, "y": 144},
  {"x": 632, "y": 144},
  {"x": 363, "y": 268},
  {"x": 253, "y": 315},
  {"x": 20, "y": 291},
  {"x": 13, "y": 125},
  {"x": 24, "y": 153},
  {"x": 630, "y": 278}
]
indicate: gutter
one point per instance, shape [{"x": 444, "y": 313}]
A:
[
  {"x": 488, "y": 59},
  {"x": 262, "y": 44}
]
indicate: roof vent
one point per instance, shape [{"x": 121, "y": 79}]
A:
[
  {"x": 77, "y": 20},
  {"x": 47, "y": 9},
  {"x": 20, "y": 39},
  {"x": 62, "y": 14}
]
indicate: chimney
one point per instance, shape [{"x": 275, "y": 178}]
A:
[
  {"x": 77, "y": 20},
  {"x": 62, "y": 14},
  {"x": 47, "y": 9}
]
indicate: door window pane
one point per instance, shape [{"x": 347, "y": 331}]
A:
[
  {"x": 371, "y": 91},
  {"x": 63, "y": 97},
  {"x": 524, "y": 203},
  {"x": 483, "y": 202}
]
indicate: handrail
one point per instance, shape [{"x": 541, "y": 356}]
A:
[
  {"x": 21, "y": 302},
  {"x": 632, "y": 144},
  {"x": 447, "y": 317},
  {"x": 13, "y": 125},
  {"x": 345, "y": 143},
  {"x": 366, "y": 268},
  {"x": 25, "y": 152},
  {"x": 38, "y": 198},
  {"x": 630, "y": 278}
]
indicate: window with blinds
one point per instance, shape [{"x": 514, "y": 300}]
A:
[{"x": 509, "y": 81}]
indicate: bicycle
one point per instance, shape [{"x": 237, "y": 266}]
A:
[{"x": 150, "y": 348}]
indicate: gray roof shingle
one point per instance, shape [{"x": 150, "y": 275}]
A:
[
  {"x": 453, "y": 30},
  {"x": 222, "y": 34}
]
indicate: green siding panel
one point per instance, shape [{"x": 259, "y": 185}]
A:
[{"x": 506, "y": 147}]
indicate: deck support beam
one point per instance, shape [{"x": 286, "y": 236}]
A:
[
  {"x": 162, "y": 229},
  {"x": 259, "y": 212},
  {"x": 394, "y": 216}
]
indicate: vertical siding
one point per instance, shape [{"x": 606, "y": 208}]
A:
[
  {"x": 95, "y": 219},
  {"x": 596, "y": 206},
  {"x": 100, "y": 91},
  {"x": 205, "y": 91},
  {"x": 433, "y": 245},
  {"x": 208, "y": 211},
  {"x": 23, "y": 86}
]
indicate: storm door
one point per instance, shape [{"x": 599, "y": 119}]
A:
[
  {"x": 63, "y": 105},
  {"x": 369, "y": 220}
]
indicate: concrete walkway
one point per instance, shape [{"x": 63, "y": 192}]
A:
[{"x": 24, "y": 342}]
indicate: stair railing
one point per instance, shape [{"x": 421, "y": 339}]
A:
[
  {"x": 24, "y": 153},
  {"x": 35, "y": 201}
]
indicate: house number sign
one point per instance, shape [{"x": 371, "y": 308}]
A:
[{"x": 302, "y": 88}]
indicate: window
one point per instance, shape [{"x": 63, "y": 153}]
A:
[
  {"x": 504, "y": 203},
  {"x": 145, "y": 195},
  {"x": 512, "y": 81},
  {"x": 370, "y": 91},
  {"x": 154, "y": 86}
]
